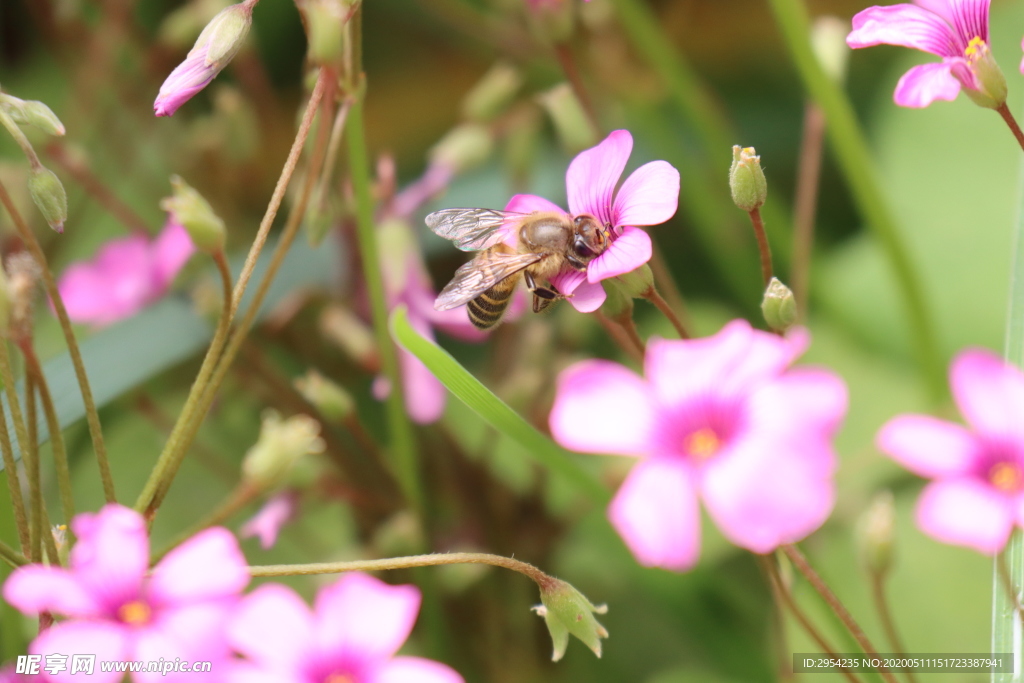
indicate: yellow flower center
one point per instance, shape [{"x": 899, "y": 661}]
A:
[
  {"x": 974, "y": 47},
  {"x": 135, "y": 613},
  {"x": 339, "y": 678},
  {"x": 702, "y": 444},
  {"x": 1006, "y": 476}
]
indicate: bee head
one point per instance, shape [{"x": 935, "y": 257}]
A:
[{"x": 590, "y": 239}]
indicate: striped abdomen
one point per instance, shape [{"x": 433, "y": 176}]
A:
[{"x": 486, "y": 310}]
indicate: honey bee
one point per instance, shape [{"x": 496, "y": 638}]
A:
[{"x": 548, "y": 243}]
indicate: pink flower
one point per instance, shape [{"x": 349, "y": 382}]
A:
[
  {"x": 117, "y": 609},
  {"x": 351, "y": 635},
  {"x": 125, "y": 276},
  {"x": 977, "y": 495},
  {"x": 275, "y": 513},
  {"x": 956, "y": 30},
  {"x": 187, "y": 79},
  {"x": 649, "y": 196},
  {"x": 407, "y": 282},
  {"x": 723, "y": 420}
]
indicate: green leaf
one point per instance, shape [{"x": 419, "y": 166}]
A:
[
  {"x": 493, "y": 410},
  {"x": 119, "y": 358}
]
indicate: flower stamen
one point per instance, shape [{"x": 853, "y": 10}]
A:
[
  {"x": 339, "y": 678},
  {"x": 135, "y": 613},
  {"x": 702, "y": 443},
  {"x": 1006, "y": 477},
  {"x": 974, "y": 47}
]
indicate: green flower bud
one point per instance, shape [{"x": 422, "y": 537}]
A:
[
  {"x": 325, "y": 30},
  {"x": 224, "y": 35},
  {"x": 828, "y": 39},
  {"x": 566, "y": 611},
  {"x": 493, "y": 93},
  {"x": 32, "y": 113},
  {"x": 196, "y": 215},
  {"x": 746, "y": 179},
  {"x": 876, "y": 531},
  {"x": 464, "y": 147},
  {"x": 779, "y": 306},
  {"x": 280, "y": 446},
  {"x": 990, "y": 78},
  {"x": 617, "y": 301},
  {"x": 571, "y": 123},
  {"x": 48, "y": 194},
  {"x": 330, "y": 399},
  {"x": 637, "y": 283}
]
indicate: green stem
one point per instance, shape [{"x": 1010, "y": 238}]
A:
[
  {"x": 92, "y": 416},
  {"x": 832, "y": 600},
  {"x": 12, "y": 556},
  {"x": 60, "y": 457},
  {"x": 888, "y": 623},
  {"x": 763, "y": 247},
  {"x": 540, "y": 578},
  {"x": 851, "y": 148},
  {"x": 659, "y": 302},
  {"x": 28, "y": 452},
  {"x": 806, "y": 203},
  {"x": 14, "y": 485},
  {"x": 26, "y": 147},
  {"x": 161, "y": 474},
  {"x": 403, "y": 446}
]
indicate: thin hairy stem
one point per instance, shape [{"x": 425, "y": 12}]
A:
[
  {"x": 621, "y": 338},
  {"x": 12, "y": 556},
  {"x": 29, "y": 454},
  {"x": 14, "y": 484},
  {"x": 1004, "y": 111},
  {"x": 888, "y": 623},
  {"x": 830, "y": 598},
  {"x": 781, "y": 594},
  {"x": 60, "y": 457},
  {"x": 806, "y": 203},
  {"x": 762, "y": 246},
  {"x": 19, "y": 137},
  {"x": 659, "y": 302},
  {"x": 92, "y": 416},
  {"x": 433, "y": 560},
  {"x": 161, "y": 475}
]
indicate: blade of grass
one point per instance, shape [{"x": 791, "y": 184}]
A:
[{"x": 493, "y": 410}]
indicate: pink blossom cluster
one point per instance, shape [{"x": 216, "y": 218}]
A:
[{"x": 191, "y": 606}]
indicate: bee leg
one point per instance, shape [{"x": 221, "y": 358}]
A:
[{"x": 542, "y": 296}]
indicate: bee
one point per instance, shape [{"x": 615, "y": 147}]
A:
[{"x": 548, "y": 243}]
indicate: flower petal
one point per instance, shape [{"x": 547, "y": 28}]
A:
[
  {"x": 273, "y": 627},
  {"x": 208, "y": 566},
  {"x": 905, "y": 25},
  {"x": 195, "y": 632},
  {"x": 626, "y": 253},
  {"x": 111, "y": 555},
  {"x": 656, "y": 513},
  {"x": 171, "y": 251},
  {"x": 924, "y": 84},
  {"x": 107, "y": 640},
  {"x": 649, "y": 196},
  {"x": 414, "y": 670},
  {"x": 187, "y": 79},
  {"x": 966, "y": 512},
  {"x": 602, "y": 407},
  {"x": 243, "y": 672},
  {"x": 277, "y": 511},
  {"x": 584, "y": 296},
  {"x": 116, "y": 284},
  {"x": 989, "y": 393},
  {"x": 592, "y": 176},
  {"x": 425, "y": 396},
  {"x": 35, "y": 588},
  {"x": 763, "y": 493},
  {"x": 802, "y": 402},
  {"x": 970, "y": 18},
  {"x": 928, "y": 446},
  {"x": 365, "y": 618}
]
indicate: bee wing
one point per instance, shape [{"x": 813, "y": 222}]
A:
[
  {"x": 471, "y": 229},
  {"x": 477, "y": 276}
]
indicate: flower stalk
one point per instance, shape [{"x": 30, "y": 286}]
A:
[
  {"x": 1004, "y": 111},
  {"x": 14, "y": 485}
]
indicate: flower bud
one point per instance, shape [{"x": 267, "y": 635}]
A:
[
  {"x": 32, "y": 113},
  {"x": 493, "y": 93},
  {"x": 746, "y": 179},
  {"x": 216, "y": 46},
  {"x": 49, "y": 196},
  {"x": 571, "y": 122},
  {"x": 828, "y": 39},
  {"x": 778, "y": 306},
  {"x": 353, "y": 336},
  {"x": 330, "y": 399},
  {"x": 875, "y": 532},
  {"x": 982, "y": 78},
  {"x": 637, "y": 283},
  {"x": 566, "y": 611},
  {"x": 464, "y": 147},
  {"x": 190, "y": 209},
  {"x": 325, "y": 30},
  {"x": 280, "y": 446},
  {"x": 617, "y": 302}
]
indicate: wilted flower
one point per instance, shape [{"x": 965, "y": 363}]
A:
[
  {"x": 956, "y": 30},
  {"x": 722, "y": 419},
  {"x": 649, "y": 196},
  {"x": 977, "y": 494},
  {"x": 118, "y": 609},
  {"x": 567, "y": 612},
  {"x": 282, "y": 443},
  {"x": 214, "y": 49},
  {"x": 356, "y": 627},
  {"x": 125, "y": 276},
  {"x": 275, "y": 513}
]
